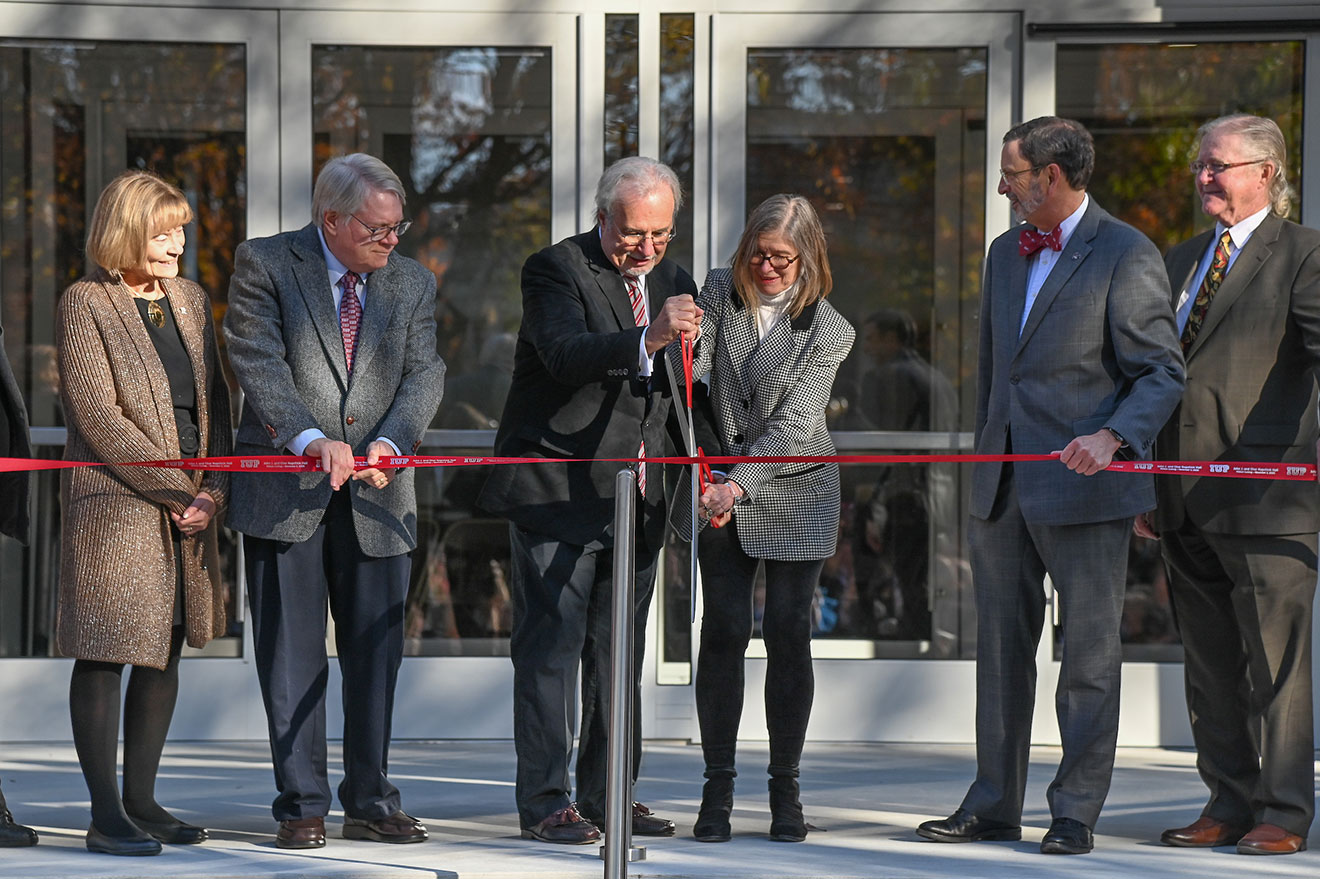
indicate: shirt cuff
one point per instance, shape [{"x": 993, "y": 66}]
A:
[
  {"x": 298, "y": 445},
  {"x": 389, "y": 442},
  {"x": 644, "y": 364}
]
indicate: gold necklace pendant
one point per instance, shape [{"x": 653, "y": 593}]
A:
[{"x": 156, "y": 314}]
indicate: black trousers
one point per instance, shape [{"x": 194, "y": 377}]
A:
[
  {"x": 562, "y": 597},
  {"x": 290, "y": 586},
  {"x": 1243, "y": 607},
  {"x": 728, "y": 576}
]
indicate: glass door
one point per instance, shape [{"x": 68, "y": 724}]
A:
[
  {"x": 890, "y": 125},
  {"x": 476, "y": 114}
]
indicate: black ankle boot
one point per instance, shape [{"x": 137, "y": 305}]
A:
[
  {"x": 786, "y": 821},
  {"x": 716, "y": 807}
]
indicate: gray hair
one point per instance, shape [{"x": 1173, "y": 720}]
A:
[
  {"x": 1263, "y": 141},
  {"x": 346, "y": 182},
  {"x": 633, "y": 177}
]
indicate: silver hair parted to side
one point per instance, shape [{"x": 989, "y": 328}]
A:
[
  {"x": 346, "y": 181},
  {"x": 631, "y": 177}
]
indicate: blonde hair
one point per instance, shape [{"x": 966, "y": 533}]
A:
[
  {"x": 793, "y": 217},
  {"x": 136, "y": 206}
]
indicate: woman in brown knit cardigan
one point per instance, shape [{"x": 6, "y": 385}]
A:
[{"x": 140, "y": 381}]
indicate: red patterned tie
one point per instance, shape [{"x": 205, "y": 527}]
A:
[
  {"x": 350, "y": 316},
  {"x": 1031, "y": 240},
  {"x": 639, "y": 318},
  {"x": 1213, "y": 278}
]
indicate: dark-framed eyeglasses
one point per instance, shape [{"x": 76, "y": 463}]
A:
[
  {"x": 377, "y": 233},
  {"x": 1006, "y": 176},
  {"x": 1217, "y": 168},
  {"x": 777, "y": 261}
]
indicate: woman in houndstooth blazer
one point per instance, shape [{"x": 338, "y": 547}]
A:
[{"x": 770, "y": 345}]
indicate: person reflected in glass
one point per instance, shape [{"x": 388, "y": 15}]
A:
[
  {"x": 770, "y": 346},
  {"x": 140, "y": 380}
]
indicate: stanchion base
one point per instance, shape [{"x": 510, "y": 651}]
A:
[{"x": 635, "y": 853}]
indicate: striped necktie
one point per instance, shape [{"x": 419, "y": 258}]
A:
[{"x": 639, "y": 318}]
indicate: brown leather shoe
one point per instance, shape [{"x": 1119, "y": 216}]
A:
[
  {"x": 1270, "y": 839},
  {"x": 1204, "y": 832},
  {"x": 399, "y": 827},
  {"x": 565, "y": 826},
  {"x": 301, "y": 833},
  {"x": 647, "y": 823}
]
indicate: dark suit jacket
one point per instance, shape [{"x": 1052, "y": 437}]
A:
[
  {"x": 576, "y": 393},
  {"x": 14, "y": 443},
  {"x": 1098, "y": 350},
  {"x": 286, "y": 349},
  {"x": 1251, "y": 386}
]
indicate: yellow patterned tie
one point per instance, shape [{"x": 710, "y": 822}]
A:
[{"x": 1213, "y": 278}]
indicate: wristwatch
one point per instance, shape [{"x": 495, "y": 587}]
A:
[{"x": 1122, "y": 443}]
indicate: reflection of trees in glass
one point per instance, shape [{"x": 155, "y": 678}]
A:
[
  {"x": 468, "y": 132},
  {"x": 1144, "y": 102},
  {"x": 621, "y": 99},
  {"x": 677, "y": 136},
  {"x": 889, "y": 146}
]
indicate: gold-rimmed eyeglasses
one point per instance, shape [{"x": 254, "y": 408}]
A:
[
  {"x": 377, "y": 233},
  {"x": 660, "y": 237}
]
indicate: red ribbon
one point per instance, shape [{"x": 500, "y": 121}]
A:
[{"x": 290, "y": 464}]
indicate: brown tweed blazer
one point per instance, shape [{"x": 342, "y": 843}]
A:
[{"x": 118, "y": 572}]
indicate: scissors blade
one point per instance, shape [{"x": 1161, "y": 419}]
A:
[{"x": 689, "y": 440}]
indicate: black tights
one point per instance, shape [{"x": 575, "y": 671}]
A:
[
  {"x": 728, "y": 575},
  {"x": 148, "y": 708}
]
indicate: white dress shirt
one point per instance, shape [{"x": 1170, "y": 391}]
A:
[{"x": 1238, "y": 235}]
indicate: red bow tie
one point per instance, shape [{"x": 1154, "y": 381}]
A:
[{"x": 1032, "y": 240}]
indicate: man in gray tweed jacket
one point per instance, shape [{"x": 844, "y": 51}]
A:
[{"x": 332, "y": 336}]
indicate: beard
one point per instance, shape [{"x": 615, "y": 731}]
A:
[{"x": 1030, "y": 201}]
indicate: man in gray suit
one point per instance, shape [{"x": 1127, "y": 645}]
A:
[
  {"x": 332, "y": 336},
  {"x": 1078, "y": 355},
  {"x": 598, "y": 308},
  {"x": 1241, "y": 553}
]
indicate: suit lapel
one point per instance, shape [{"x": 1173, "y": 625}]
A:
[
  {"x": 376, "y": 316},
  {"x": 1072, "y": 256},
  {"x": 1239, "y": 277},
  {"x": 608, "y": 279},
  {"x": 126, "y": 308},
  {"x": 313, "y": 278}
]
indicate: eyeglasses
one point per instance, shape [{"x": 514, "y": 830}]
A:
[
  {"x": 778, "y": 262},
  {"x": 1005, "y": 176},
  {"x": 378, "y": 233},
  {"x": 634, "y": 237},
  {"x": 1217, "y": 168}
]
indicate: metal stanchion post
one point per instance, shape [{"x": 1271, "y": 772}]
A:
[{"x": 618, "y": 849}]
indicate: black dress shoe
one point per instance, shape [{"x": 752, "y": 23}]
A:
[
  {"x": 14, "y": 835},
  {"x": 172, "y": 832},
  {"x": 121, "y": 845},
  {"x": 963, "y": 826},
  {"x": 647, "y": 823},
  {"x": 1067, "y": 836},
  {"x": 398, "y": 828}
]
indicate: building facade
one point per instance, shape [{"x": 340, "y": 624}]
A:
[{"x": 499, "y": 117}]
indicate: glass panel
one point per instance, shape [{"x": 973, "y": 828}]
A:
[
  {"x": 677, "y": 112},
  {"x": 467, "y": 129},
  {"x": 468, "y": 132},
  {"x": 889, "y": 145},
  {"x": 1143, "y": 103},
  {"x": 72, "y": 116},
  {"x": 621, "y": 101}
]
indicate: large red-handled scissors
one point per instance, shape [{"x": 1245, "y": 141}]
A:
[{"x": 701, "y": 474}]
